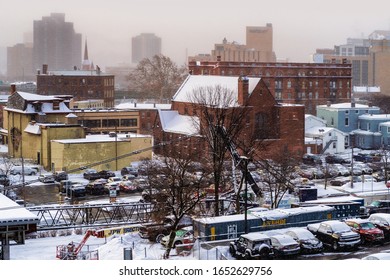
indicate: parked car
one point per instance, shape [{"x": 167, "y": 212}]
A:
[
  {"x": 60, "y": 175},
  {"x": 77, "y": 190},
  {"x": 95, "y": 188},
  {"x": 105, "y": 174},
  {"x": 364, "y": 167},
  {"x": 127, "y": 187},
  {"x": 251, "y": 245},
  {"x": 369, "y": 233},
  {"x": 363, "y": 157},
  {"x": 311, "y": 159},
  {"x": 4, "y": 180},
  {"x": 129, "y": 170},
  {"x": 91, "y": 174},
  {"x": 339, "y": 181},
  {"x": 381, "y": 221},
  {"x": 378, "y": 206},
  {"x": 46, "y": 178},
  {"x": 340, "y": 169},
  {"x": 114, "y": 179},
  {"x": 336, "y": 159},
  {"x": 306, "y": 240},
  {"x": 112, "y": 185},
  {"x": 182, "y": 236},
  {"x": 335, "y": 234},
  {"x": 377, "y": 256},
  {"x": 19, "y": 170},
  {"x": 284, "y": 245}
]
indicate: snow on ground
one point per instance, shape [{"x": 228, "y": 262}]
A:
[{"x": 112, "y": 248}]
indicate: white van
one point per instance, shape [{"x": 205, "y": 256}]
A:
[{"x": 18, "y": 170}]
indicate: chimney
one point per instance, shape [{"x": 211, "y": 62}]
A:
[
  {"x": 13, "y": 89},
  {"x": 353, "y": 105},
  {"x": 243, "y": 90},
  {"x": 328, "y": 103},
  {"x": 44, "y": 69}
]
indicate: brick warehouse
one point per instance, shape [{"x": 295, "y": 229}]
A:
[
  {"x": 309, "y": 84},
  {"x": 83, "y": 85},
  {"x": 286, "y": 120}
]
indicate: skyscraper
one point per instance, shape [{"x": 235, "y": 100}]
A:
[
  {"x": 145, "y": 45},
  {"x": 56, "y": 43}
]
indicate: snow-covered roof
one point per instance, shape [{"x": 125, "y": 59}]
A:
[
  {"x": 33, "y": 129},
  {"x": 12, "y": 213},
  {"x": 365, "y": 132},
  {"x": 375, "y": 117},
  {"x": 366, "y": 89},
  {"x": 77, "y": 73},
  {"x": 192, "y": 85},
  {"x": 347, "y": 105},
  {"x": 37, "y": 97},
  {"x": 320, "y": 131},
  {"x": 134, "y": 105},
  {"x": 101, "y": 138},
  {"x": 171, "y": 121}
]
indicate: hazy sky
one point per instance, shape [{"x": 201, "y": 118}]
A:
[{"x": 192, "y": 27}]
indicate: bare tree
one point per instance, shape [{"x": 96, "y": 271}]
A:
[
  {"x": 158, "y": 77},
  {"x": 178, "y": 191},
  {"x": 277, "y": 174},
  {"x": 217, "y": 107}
]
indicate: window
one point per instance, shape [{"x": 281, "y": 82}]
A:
[
  {"x": 129, "y": 122},
  {"x": 356, "y": 111},
  {"x": 346, "y": 121},
  {"x": 332, "y": 121},
  {"x": 347, "y": 112}
]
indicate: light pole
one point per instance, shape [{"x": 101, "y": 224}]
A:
[
  {"x": 352, "y": 141},
  {"x": 244, "y": 160}
]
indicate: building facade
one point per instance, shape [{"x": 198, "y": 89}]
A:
[
  {"x": 19, "y": 63},
  {"x": 308, "y": 84},
  {"x": 258, "y": 47},
  {"x": 101, "y": 152},
  {"x": 31, "y": 121},
  {"x": 82, "y": 85},
  {"x": 145, "y": 45},
  {"x": 56, "y": 43},
  {"x": 278, "y": 125},
  {"x": 345, "y": 116}
]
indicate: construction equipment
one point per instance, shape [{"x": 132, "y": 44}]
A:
[
  {"x": 72, "y": 250},
  {"x": 239, "y": 161}
]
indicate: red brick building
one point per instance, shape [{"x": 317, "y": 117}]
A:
[
  {"x": 82, "y": 85},
  {"x": 276, "y": 125},
  {"x": 309, "y": 84}
]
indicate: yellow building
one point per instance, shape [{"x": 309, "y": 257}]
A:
[
  {"x": 100, "y": 152},
  {"x": 33, "y": 120}
]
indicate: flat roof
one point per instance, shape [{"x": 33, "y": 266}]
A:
[{"x": 12, "y": 213}]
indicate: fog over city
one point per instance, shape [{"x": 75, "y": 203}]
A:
[{"x": 188, "y": 28}]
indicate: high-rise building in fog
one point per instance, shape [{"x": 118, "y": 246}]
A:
[
  {"x": 56, "y": 43},
  {"x": 19, "y": 62},
  {"x": 258, "y": 47},
  {"x": 145, "y": 45}
]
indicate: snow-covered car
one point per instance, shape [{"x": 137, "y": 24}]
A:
[
  {"x": 251, "y": 245},
  {"x": 377, "y": 256},
  {"x": 306, "y": 240},
  {"x": 284, "y": 245},
  {"x": 183, "y": 236}
]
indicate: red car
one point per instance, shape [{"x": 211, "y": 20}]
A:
[
  {"x": 127, "y": 187},
  {"x": 369, "y": 233}
]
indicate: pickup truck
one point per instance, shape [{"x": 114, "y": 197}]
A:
[
  {"x": 377, "y": 206},
  {"x": 335, "y": 234}
]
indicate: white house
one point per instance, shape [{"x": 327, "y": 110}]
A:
[{"x": 324, "y": 139}]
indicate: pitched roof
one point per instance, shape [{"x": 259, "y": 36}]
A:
[
  {"x": 171, "y": 121},
  {"x": 194, "y": 83}
]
